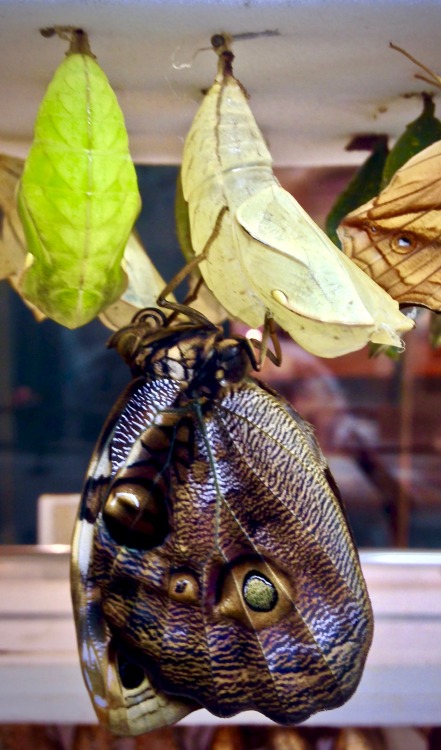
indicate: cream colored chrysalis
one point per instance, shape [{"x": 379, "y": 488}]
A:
[{"x": 263, "y": 256}]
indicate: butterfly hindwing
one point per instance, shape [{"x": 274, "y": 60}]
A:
[{"x": 395, "y": 238}]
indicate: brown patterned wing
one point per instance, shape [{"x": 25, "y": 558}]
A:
[
  {"x": 123, "y": 697},
  {"x": 396, "y": 237},
  {"x": 212, "y": 564}
]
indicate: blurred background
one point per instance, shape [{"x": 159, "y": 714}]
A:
[{"x": 377, "y": 420}]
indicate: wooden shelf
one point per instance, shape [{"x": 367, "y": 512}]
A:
[{"x": 40, "y": 679}]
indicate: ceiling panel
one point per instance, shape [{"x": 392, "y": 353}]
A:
[{"x": 326, "y": 73}]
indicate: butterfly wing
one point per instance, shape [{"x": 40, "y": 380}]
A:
[
  {"x": 238, "y": 585},
  {"x": 281, "y": 528},
  {"x": 396, "y": 237},
  {"x": 122, "y": 694}
]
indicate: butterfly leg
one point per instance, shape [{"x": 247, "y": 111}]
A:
[
  {"x": 183, "y": 308},
  {"x": 269, "y": 332}
]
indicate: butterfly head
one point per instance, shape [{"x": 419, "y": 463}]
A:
[{"x": 196, "y": 355}]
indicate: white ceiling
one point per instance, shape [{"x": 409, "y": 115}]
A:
[{"x": 328, "y": 74}]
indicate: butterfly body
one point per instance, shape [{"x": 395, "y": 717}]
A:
[{"x": 212, "y": 564}]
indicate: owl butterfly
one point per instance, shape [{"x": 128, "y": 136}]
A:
[
  {"x": 396, "y": 236},
  {"x": 212, "y": 564},
  {"x": 78, "y": 196},
  {"x": 260, "y": 254}
]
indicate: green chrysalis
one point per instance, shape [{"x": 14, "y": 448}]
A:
[{"x": 78, "y": 197}]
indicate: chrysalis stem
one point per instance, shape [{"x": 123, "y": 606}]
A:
[
  {"x": 77, "y": 38},
  {"x": 221, "y": 44},
  {"x": 245, "y": 36}
]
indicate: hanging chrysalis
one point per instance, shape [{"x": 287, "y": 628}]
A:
[
  {"x": 12, "y": 242},
  {"x": 395, "y": 237},
  {"x": 144, "y": 283},
  {"x": 212, "y": 564},
  {"x": 78, "y": 197},
  {"x": 263, "y": 256}
]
